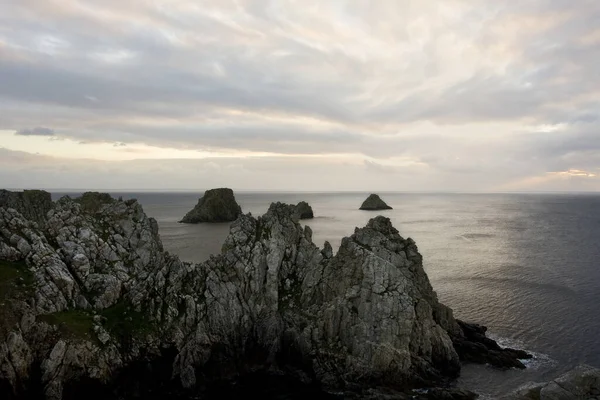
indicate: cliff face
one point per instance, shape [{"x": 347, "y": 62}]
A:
[
  {"x": 92, "y": 295},
  {"x": 33, "y": 204}
]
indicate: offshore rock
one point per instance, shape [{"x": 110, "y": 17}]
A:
[
  {"x": 374, "y": 202},
  {"x": 217, "y": 205},
  {"x": 106, "y": 305},
  {"x": 32, "y": 204},
  {"x": 304, "y": 210},
  {"x": 583, "y": 382}
]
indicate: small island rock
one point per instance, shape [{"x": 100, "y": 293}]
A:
[
  {"x": 304, "y": 210},
  {"x": 374, "y": 202},
  {"x": 217, "y": 205}
]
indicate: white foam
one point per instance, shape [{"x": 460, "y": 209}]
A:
[{"x": 537, "y": 361}]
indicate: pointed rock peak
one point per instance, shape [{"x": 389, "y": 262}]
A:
[{"x": 374, "y": 202}]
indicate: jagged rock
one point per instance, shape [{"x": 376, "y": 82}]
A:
[
  {"x": 473, "y": 346},
  {"x": 106, "y": 299},
  {"x": 32, "y": 204},
  {"x": 304, "y": 210},
  {"x": 217, "y": 205},
  {"x": 373, "y": 202},
  {"x": 581, "y": 383}
]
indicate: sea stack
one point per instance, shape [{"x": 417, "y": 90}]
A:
[
  {"x": 304, "y": 210},
  {"x": 374, "y": 202},
  {"x": 217, "y": 205}
]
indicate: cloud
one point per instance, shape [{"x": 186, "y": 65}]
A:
[
  {"x": 457, "y": 86},
  {"x": 37, "y": 131}
]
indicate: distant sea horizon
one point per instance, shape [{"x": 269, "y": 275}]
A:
[{"x": 202, "y": 190}]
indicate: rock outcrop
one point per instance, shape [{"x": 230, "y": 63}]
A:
[
  {"x": 473, "y": 346},
  {"x": 583, "y": 382},
  {"x": 93, "y": 301},
  {"x": 217, "y": 205},
  {"x": 32, "y": 204},
  {"x": 304, "y": 210},
  {"x": 374, "y": 202}
]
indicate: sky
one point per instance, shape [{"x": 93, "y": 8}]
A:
[{"x": 354, "y": 95}]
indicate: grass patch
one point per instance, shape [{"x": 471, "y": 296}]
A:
[
  {"x": 122, "y": 320},
  {"x": 71, "y": 323},
  {"x": 126, "y": 325},
  {"x": 15, "y": 279},
  {"x": 91, "y": 202},
  {"x": 16, "y": 282}
]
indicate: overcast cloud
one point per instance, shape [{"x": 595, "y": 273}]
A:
[{"x": 467, "y": 95}]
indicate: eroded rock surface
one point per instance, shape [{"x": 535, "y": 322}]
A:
[
  {"x": 374, "y": 202},
  {"x": 217, "y": 205},
  {"x": 105, "y": 301}
]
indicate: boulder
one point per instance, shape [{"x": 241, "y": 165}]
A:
[
  {"x": 583, "y": 382},
  {"x": 374, "y": 202},
  {"x": 217, "y": 205},
  {"x": 304, "y": 210}
]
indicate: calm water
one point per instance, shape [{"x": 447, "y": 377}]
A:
[{"x": 527, "y": 266}]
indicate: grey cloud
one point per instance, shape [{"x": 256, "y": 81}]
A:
[
  {"x": 37, "y": 131},
  {"x": 288, "y": 79}
]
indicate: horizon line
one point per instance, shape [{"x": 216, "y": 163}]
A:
[{"x": 171, "y": 190}]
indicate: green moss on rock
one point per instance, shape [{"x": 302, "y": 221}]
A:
[
  {"x": 15, "y": 279},
  {"x": 71, "y": 323},
  {"x": 91, "y": 202},
  {"x": 124, "y": 322}
]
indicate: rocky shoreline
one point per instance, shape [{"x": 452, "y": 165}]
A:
[{"x": 93, "y": 306}]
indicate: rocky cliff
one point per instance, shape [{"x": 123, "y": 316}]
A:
[
  {"x": 33, "y": 204},
  {"x": 91, "y": 300}
]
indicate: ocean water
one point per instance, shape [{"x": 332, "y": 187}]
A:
[{"x": 525, "y": 265}]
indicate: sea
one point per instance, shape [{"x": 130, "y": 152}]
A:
[{"x": 525, "y": 265}]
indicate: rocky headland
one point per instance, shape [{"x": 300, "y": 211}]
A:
[
  {"x": 92, "y": 306},
  {"x": 217, "y": 205},
  {"x": 374, "y": 203}
]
